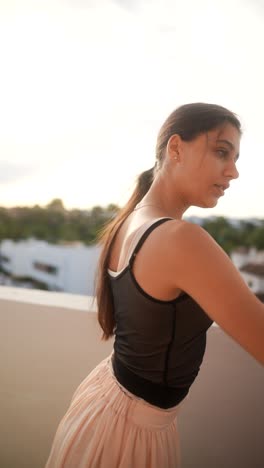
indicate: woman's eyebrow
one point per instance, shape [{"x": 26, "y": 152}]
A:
[{"x": 228, "y": 143}]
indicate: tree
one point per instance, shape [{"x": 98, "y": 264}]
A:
[
  {"x": 56, "y": 205},
  {"x": 256, "y": 238}
]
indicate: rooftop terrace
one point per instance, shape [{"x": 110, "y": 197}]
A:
[{"x": 49, "y": 343}]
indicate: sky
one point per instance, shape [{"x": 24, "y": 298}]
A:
[{"x": 85, "y": 86}]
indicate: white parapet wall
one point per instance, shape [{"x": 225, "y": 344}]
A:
[{"x": 51, "y": 341}]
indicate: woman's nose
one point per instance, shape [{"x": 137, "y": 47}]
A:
[{"x": 231, "y": 170}]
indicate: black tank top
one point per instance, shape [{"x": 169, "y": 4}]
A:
[{"x": 159, "y": 345}]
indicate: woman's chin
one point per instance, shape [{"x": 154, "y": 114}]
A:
[{"x": 208, "y": 203}]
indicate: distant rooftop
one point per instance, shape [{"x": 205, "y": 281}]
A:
[
  {"x": 241, "y": 249},
  {"x": 253, "y": 268}
]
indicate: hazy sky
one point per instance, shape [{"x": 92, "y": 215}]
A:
[{"x": 86, "y": 84}]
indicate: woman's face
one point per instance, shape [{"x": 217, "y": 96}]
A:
[{"x": 208, "y": 164}]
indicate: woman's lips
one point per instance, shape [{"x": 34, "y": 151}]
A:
[{"x": 220, "y": 189}]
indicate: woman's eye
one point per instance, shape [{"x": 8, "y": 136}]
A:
[{"x": 222, "y": 152}]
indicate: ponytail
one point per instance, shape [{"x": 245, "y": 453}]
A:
[{"x": 105, "y": 307}]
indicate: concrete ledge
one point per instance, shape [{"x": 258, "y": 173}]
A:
[
  {"x": 47, "y": 298},
  {"x": 51, "y": 341}
]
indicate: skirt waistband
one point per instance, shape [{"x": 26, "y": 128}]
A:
[
  {"x": 157, "y": 394},
  {"x": 139, "y": 410}
]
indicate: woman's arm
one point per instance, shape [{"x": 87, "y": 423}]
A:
[{"x": 202, "y": 269}]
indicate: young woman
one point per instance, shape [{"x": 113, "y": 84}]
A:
[{"x": 161, "y": 283}]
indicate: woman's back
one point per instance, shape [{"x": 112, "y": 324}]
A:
[{"x": 159, "y": 343}]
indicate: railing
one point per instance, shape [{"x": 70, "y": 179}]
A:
[{"x": 50, "y": 342}]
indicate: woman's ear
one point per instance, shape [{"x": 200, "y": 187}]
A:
[{"x": 174, "y": 147}]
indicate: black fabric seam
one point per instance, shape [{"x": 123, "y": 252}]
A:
[{"x": 166, "y": 364}]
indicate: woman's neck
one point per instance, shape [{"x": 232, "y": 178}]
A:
[{"x": 158, "y": 200}]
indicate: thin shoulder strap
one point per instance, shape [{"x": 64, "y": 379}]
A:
[{"x": 144, "y": 237}]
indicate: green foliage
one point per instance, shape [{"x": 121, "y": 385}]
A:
[
  {"x": 229, "y": 236},
  {"x": 54, "y": 223},
  {"x": 256, "y": 237}
]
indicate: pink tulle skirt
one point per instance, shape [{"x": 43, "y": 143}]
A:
[{"x": 108, "y": 427}]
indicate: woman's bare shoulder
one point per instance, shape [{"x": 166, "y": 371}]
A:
[
  {"x": 185, "y": 237},
  {"x": 182, "y": 228}
]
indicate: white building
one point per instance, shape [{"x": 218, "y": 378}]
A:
[
  {"x": 70, "y": 268},
  {"x": 250, "y": 263}
]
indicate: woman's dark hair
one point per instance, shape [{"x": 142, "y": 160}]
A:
[{"x": 188, "y": 121}]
